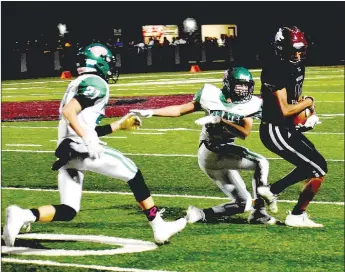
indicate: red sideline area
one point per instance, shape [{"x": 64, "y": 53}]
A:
[{"x": 49, "y": 110}]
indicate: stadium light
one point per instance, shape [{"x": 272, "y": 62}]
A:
[
  {"x": 62, "y": 29},
  {"x": 189, "y": 25}
]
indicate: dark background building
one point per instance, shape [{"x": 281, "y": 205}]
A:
[{"x": 32, "y": 26}]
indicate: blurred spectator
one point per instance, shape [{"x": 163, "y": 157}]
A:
[
  {"x": 109, "y": 43},
  {"x": 151, "y": 42},
  {"x": 166, "y": 42},
  {"x": 182, "y": 41},
  {"x": 119, "y": 43}
]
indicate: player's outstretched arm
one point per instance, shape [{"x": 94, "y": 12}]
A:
[{"x": 170, "y": 111}]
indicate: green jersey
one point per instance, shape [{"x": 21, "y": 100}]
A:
[
  {"x": 213, "y": 102},
  {"x": 92, "y": 92}
]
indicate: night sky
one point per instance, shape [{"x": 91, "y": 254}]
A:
[{"x": 323, "y": 21}]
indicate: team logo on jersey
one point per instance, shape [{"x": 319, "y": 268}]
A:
[{"x": 233, "y": 117}]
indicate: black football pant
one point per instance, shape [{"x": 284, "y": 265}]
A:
[{"x": 295, "y": 148}]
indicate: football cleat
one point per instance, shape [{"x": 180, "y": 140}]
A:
[
  {"x": 194, "y": 214},
  {"x": 270, "y": 198},
  {"x": 260, "y": 216},
  {"x": 301, "y": 221},
  {"x": 163, "y": 230},
  {"x": 14, "y": 222}
]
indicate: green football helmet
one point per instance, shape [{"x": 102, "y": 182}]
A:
[
  {"x": 238, "y": 84},
  {"x": 97, "y": 58}
]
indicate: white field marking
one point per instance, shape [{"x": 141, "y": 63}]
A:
[
  {"x": 170, "y": 129},
  {"x": 94, "y": 267},
  {"x": 35, "y": 94},
  {"x": 149, "y": 133},
  {"x": 179, "y": 129},
  {"x": 159, "y": 93},
  {"x": 323, "y": 77},
  {"x": 318, "y": 101},
  {"x": 158, "y": 195},
  {"x": 140, "y": 154},
  {"x": 324, "y": 92},
  {"x": 124, "y": 77},
  {"x": 126, "y": 245},
  {"x": 25, "y": 88},
  {"x": 172, "y": 82},
  {"x": 333, "y": 84},
  {"x": 334, "y": 114},
  {"x": 167, "y": 75},
  {"x": 114, "y": 137},
  {"x": 23, "y": 145}
]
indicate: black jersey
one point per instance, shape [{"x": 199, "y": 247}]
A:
[{"x": 276, "y": 75}]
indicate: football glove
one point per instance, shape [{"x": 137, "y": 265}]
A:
[
  {"x": 91, "y": 145},
  {"x": 309, "y": 124},
  {"x": 143, "y": 113},
  {"x": 130, "y": 121},
  {"x": 208, "y": 120}
]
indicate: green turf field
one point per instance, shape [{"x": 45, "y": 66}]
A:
[{"x": 165, "y": 150}]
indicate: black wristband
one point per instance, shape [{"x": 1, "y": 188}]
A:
[{"x": 103, "y": 130}]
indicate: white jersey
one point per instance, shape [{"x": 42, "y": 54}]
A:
[
  {"x": 92, "y": 92},
  {"x": 213, "y": 102}
]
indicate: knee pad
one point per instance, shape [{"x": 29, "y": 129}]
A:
[
  {"x": 139, "y": 187},
  {"x": 64, "y": 213}
]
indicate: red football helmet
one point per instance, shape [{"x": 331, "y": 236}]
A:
[{"x": 290, "y": 44}]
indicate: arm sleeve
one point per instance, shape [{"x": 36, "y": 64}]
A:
[
  {"x": 85, "y": 101},
  {"x": 103, "y": 130}
]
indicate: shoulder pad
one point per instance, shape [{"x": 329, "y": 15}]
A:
[{"x": 92, "y": 87}]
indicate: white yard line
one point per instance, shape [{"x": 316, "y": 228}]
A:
[
  {"x": 318, "y": 101},
  {"x": 158, "y": 195},
  {"x": 162, "y": 82},
  {"x": 23, "y": 145},
  {"x": 186, "y": 129},
  {"x": 140, "y": 154},
  {"x": 149, "y": 133},
  {"x": 94, "y": 267},
  {"x": 114, "y": 137}
]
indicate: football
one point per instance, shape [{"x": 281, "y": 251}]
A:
[{"x": 302, "y": 117}]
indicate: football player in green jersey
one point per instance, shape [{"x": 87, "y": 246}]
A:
[
  {"x": 230, "y": 112},
  {"x": 80, "y": 150}
]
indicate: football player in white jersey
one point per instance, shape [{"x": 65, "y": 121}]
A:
[
  {"x": 80, "y": 150},
  {"x": 230, "y": 112}
]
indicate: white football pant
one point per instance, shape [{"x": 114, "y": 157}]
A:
[
  {"x": 223, "y": 170},
  {"x": 112, "y": 163}
]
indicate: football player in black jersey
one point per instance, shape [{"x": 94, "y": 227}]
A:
[{"x": 282, "y": 79}]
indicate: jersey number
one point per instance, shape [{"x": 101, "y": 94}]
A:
[
  {"x": 298, "y": 89},
  {"x": 92, "y": 91}
]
